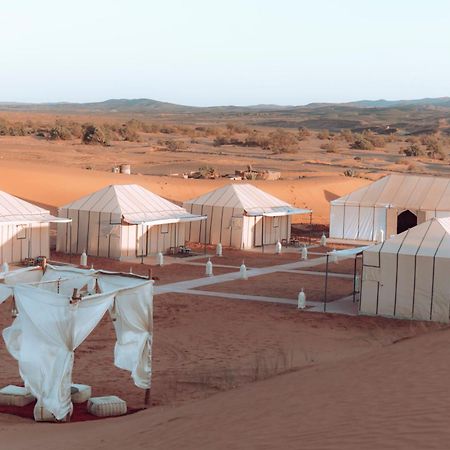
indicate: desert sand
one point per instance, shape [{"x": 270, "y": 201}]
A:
[
  {"x": 232, "y": 374},
  {"x": 55, "y": 186}
]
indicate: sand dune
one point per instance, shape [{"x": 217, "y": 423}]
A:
[
  {"x": 55, "y": 186},
  {"x": 393, "y": 398}
]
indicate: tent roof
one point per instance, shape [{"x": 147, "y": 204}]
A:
[
  {"x": 402, "y": 191},
  {"x": 134, "y": 203},
  {"x": 431, "y": 238},
  {"x": 14, "y": 210},
  {"x": 252, "y": 200}
]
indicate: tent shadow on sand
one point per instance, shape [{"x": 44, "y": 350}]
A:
[{"x": 330, "y": 196}]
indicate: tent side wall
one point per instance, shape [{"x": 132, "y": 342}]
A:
[
  {"x": 98, "y": 233},
  {"x": 274, "y": 228},
  {"x": 355, "y": 222},
  {"x": 406, "y": 285},
  {"x": 20, "y": 242},
  {"x": 223, "y": 224},
  {"x": 145, "y": 240}
]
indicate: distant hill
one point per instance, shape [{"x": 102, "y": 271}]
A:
[
  {"x": 149, "y": 106},
  {"x": 441, "y": 101}
]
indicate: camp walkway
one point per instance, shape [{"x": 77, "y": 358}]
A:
[{"x": 191, "y": 287}]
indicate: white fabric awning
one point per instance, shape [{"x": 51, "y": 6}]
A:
[
  {"x": 276, "y": 212},
  {"x": 349, "y": 251},
  {"x": 164, "y": 217},
  {"x": 23, "y": 219}
]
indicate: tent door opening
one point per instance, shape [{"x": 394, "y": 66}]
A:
[{"x": 405, "y": 221}]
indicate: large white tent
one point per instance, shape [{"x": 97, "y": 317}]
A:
[
  {"x": 24, "y": 229},
  {"x": 240, "y": 216},
  {"x": 408, "y": 276},
  {"x": 121, "y": 221},
  {"x": 389, "y": 206}
]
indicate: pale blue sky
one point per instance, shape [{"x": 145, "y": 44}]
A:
[{"x": 210, "y": 52}]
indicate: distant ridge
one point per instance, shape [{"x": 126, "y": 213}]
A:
[{"x": 150, "y": 106}]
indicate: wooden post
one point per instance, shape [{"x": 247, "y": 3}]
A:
[
  {"x": 148, "y": 397},
  {"x": 354, "y": 279},
  {"x": 44, "y": 264},
  {"x": 326, "y": 285}
]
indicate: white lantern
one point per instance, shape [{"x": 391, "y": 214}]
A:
[{"x": 301, "y": 301}]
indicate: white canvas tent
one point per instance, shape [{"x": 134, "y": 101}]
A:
[
  {"x": 121, "y": 221},
  {"x": 408, "y": 276},
  {"x": 24, "y": 229},
  {"x": 392, "y": 205},
  {"x": 240, "y": 216}
]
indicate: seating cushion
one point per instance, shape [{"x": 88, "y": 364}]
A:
[
  {"x": 107, "y": 406},
  {"x": 80, "y": 393},
  {"x": 15, "y": 396}
]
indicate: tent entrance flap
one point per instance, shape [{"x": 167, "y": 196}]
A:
[{"x": 406, "y": 220}]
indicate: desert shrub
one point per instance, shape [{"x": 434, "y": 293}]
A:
[
  {"x": 94, "y": 135},
  {"x": 128, "y": 134},
  {"x": 59, "y": 132},
  {"x": 303, "y": 133},
  {"x": 324, "y": 134},
  {"x": 413, "y": 150},
  {"x": 346, "y": 135},
  {"x": 236, "y": 128},
  {"x": 280, "y": 141},
  {"x": 4, "y": 127},
  {"x": 167, "y": 130},
  {"x": 434, "y": 149},
  {"x": 376, "y": 140},
  {"x": 255, "y": 139},
  {"x": 349, "y": 173},
  {"x": 172, "y": 145},
  {"x": 360, "y": 143},
  {"x": 221, "y": 140},
  {"x": 329, "y": 147}
]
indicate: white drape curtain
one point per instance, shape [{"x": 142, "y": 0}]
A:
[{"x": 43, "y": 338}]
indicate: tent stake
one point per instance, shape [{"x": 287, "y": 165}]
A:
[{"x": 326, "y": 286}]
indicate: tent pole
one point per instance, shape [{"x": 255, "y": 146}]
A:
[
  {"x": 326, "y": 285},
  {"x": 354, "y": 279},
  {"x": 262, "y": 234},
  {"x": 204, "y": 242},
  {"x": 310, "y": 227},
  {"x": 70, "y": 242}
]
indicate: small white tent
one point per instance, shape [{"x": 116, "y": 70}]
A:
[
  {"x": 122, "y": 221},
  {"x": 390, "y": 205},
  {"x": 240, "y": 216},
  {"x": 408, "y": 276},
  {"x": 24, "y": 229}
]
